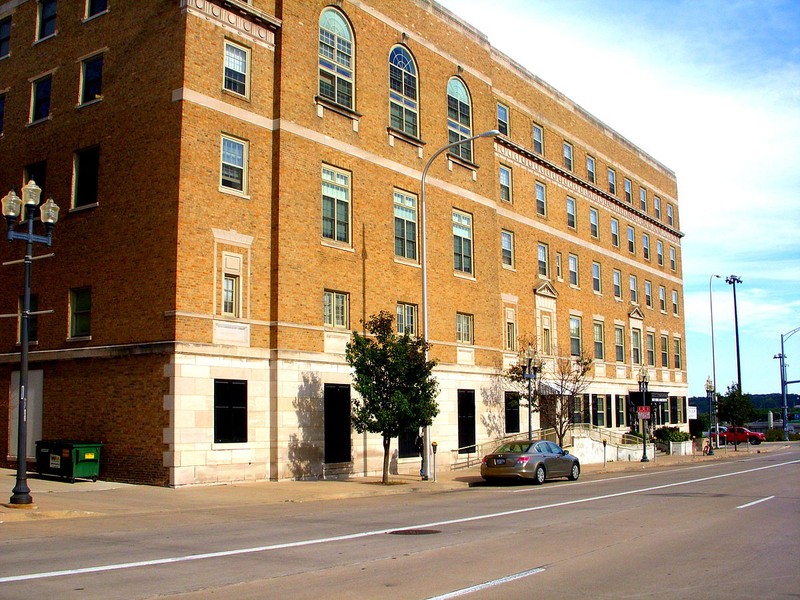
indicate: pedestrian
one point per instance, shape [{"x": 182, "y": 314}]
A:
[{"x": 419, "y": 445}]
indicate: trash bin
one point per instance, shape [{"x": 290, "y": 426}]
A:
[{"x": 69, "y": 459}]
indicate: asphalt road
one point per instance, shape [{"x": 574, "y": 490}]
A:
[{"x": 715, "y": 530}]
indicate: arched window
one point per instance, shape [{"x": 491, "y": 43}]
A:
[
  {"x": 336, "y": 59},
  {"x": 459, "y": 117},
  {"x": 403, "y": 92}
]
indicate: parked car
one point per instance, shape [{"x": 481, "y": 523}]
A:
[
  {"x": 530, "y": 459},
  {"x": 738, "y": 435}
]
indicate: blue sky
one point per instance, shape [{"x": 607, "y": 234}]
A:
[{"x": 712, "y": 90}]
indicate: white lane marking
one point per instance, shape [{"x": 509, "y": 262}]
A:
[
  {"x": 353, "y": 536},
  {"x": 486, "y": 585},
  {"x": 755, "y": 502}
]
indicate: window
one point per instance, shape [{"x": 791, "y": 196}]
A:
[
  {"x": 657, "y": 207},
  {"x": 546, "y": 335},
  {"x": 619, "y": 343},
  {"x": 568, "y": 156},
  {"x": 660, "y": 253},
  {"x": 505, "y": 183},
  {"x": 542, "y": 259},
  {"x": 541, "y": 199},
  {"x": 335, "y": 205},
  {"x": 615, "y": 233},
  {"x": 33, "y": 320},
  {"x": 336, "y": 309},
  {"x": 590, "y": 169},
  {"x": 502, "y": 119},
  {"x": 612, "y": 181},
  {"x": 507, "y": 244},
  {"x": 558, "y": 265},
  {"x": 512, "y": 412},
  {"x": 336, "y": 74},
  {"x": 538, "y": 139},
  {"x": 672, "y": 258},
  {"x": 664, "y": 351},
  {"x": 643, "y": 199},
  {"x": 2, "y": 112},
  {"x": 237, "y": 69},
  {"x": 462, "y": 242},
  {"x": 651, "y": 348},
  {"x": 575, "y": 336},
  {"x": 676, "y": 359},
  {"x": 233, "y": 168},
  {"x": 80, "y": 312},
  {"x": 405, "y": 225},
  {"x": 406, "y": 319},
  {"x": 230, "y": 295},
  {"x": 92, "y": 79},
  {"x": 636, "y": 346},
  {"x": 40, "y": 99},
  {"x": 675, "y": 302},
  {"x": 670, "y": 216},
  {"x": 662, "y": 298},
  {"x": 47, "y": 19},
  {"x": 594, "y": 222},
  {"x": 230, "y": 411},
  {"x": 599, "y": 341},
  {"x": 617, "y": 284},
  {"x": 628, "y": 190},
  {"x": 634, "y": 289},
  {"x": 596, "y": 283},
  {"x": 648, "y": 293},
  {"x": 631, "y": 240},
  {"x": 87, "y": 169},
  {"x": 463, "y": 328},
  {"x": 95, "y": 7},
  {"x": 459, "y": 118},
  {"x": 573, "y": 270},
  {"x": 5, "y": 37},
  {"x": 403, "y": 92},
  {"x": 646, "y": 246},
  {"x": 511, "y": 330},
  {"x": 571, "y": 218}
]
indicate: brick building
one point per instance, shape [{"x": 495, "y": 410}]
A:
[{"x": 237, "y": 196}]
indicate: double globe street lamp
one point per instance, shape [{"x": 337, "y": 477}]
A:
[
  {"x": 644, "y": 380},
  {"x": 16, "y": 210}
]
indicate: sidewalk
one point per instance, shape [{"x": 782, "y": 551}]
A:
[{"x": 57, "y": 499}]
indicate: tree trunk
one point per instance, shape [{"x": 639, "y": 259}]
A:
[{"x": 386, "y": 443}]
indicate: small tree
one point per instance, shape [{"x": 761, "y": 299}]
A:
[
  {"x": 394, "y": 380},
  {"x": 565, "y": 376},
  {"x": 735, "y": 407},
  {"x": 569, "y": 378}
]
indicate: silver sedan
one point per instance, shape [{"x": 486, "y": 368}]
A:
[{"x": 537, "y": 460}]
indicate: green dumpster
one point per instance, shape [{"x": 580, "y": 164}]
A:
[{"x": 68, "y": 459}]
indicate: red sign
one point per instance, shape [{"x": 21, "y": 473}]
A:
[{"x": 643, "y": 412}]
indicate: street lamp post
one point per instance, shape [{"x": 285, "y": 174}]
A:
[
  {"x": 713, "y": 351},
  {"x": 644, "y": 379},
  {"x": 710, "y": 394},
  {"x": 13, "y": 210},
  {"x": 529, "y": 372},
  {"x": 785, "y": 383},
  {"x": 426, "y": 455},
  {"x": 733, "y": 280}
]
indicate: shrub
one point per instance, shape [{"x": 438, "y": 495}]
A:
[
  {"x": 671, "y": 434},
  {"x": 776, "y": 435}
]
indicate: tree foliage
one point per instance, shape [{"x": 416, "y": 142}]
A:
[
  {"x": 394, "y": 380},
  {"x": 735, "y": 407}
]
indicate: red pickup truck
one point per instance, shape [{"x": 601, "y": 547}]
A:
[{"x": 738, "y": 435}]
